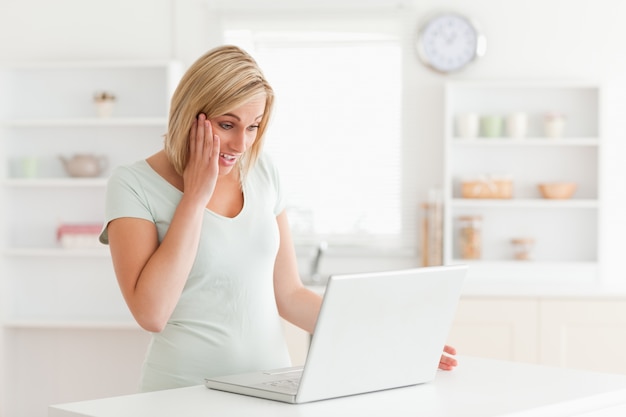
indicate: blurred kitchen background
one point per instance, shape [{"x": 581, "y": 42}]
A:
[{"x": 378, "y": 171}]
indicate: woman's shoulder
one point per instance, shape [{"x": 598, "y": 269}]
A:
[
  {"x": 138, "y": 170},
  {"x": 265, "y": 167},
  {"x": 266, "y": 162},
  {"x": 265, "y": 179},
  {"x": 122, "y": 173},
  {"x": 137, "y": 178}
]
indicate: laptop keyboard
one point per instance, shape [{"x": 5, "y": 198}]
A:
[
  {"x": 284, "y": 383},
  {"x": 288, "y": 382}
]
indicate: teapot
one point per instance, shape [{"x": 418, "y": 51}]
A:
[{"x": 84, "y": 165}]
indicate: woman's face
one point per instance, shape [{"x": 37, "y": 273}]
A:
[{"x": 237, "y": 131}]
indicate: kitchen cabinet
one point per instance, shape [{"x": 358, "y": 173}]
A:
[
  {"x": 298, "y": 342},
  {"x": 46, "y": 365},
  {"x": 493, "y": 174},
  {"x": 584, "y": 332},
  {"x": 50, "y": 291},
  {"x": 503, "y": 328}
]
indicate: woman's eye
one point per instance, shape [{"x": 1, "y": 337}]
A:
[
  {"x": 253, "y": 127},
  {"x": 226, "y": 126}
]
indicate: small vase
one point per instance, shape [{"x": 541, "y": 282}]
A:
[
  {"x": 491, "y": 126},
  {"x": 516, "y": 125},
  {"x": 467, "y": 125},
  {"x": 104, "y": 108},
  {"x": 554, "y": 125}
]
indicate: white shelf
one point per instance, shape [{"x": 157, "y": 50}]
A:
[
  {"x": 70, "y": 324},
  {"x": 538, "y": 203},
  {"x": 534, "y": 141},
  {"x": 58, "y": 252},
  {"x": 87, "y": 65},
  {"x": 86, "y": 122},
  {"x": 477, "y": 263},
  {"x": 55, "y": 182},
  {"x": 523, "y": 84},
  {"x": 530, "y": 272}
]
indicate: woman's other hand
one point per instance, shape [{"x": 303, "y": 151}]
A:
[{"x": 447, "y": 361}]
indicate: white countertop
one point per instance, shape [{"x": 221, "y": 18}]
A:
[
  {"x": 542, "y": 290},
  {"x": 477, "y": 388},
  {"x": 534, "y": 290}
]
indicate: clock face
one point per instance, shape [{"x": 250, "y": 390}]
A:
[{"x": 448, "y": 42}]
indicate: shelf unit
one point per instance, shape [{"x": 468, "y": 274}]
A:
[
  {"x": 46, "y": 114},
  {"x": 565, "y": 231}
]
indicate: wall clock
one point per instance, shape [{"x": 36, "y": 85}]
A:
[{"x": 448, "y": 42}]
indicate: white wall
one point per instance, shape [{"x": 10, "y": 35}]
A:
[{"x": 577, "y": 39}]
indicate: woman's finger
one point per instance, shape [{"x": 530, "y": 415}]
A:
[
  {"x": 199, "y": 137},
  {"x": 207, "y": 142},
  {"x": 192, "y": 137},
  {"x": 449, "y": 350},
  {"x": 215, "y": 152},
  {"x": 447, "y": 363}
]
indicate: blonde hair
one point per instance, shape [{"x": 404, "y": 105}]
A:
[{"x": 218, "y": 82}]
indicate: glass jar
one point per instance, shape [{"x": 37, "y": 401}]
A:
[
  {"x": 522, "y": 248},
  {"x": 470, "y": 242}
]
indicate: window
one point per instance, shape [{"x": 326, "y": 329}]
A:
[{"x": 336, "y": 132}]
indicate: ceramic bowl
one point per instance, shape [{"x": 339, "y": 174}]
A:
[{"x": 557, "y": 190}]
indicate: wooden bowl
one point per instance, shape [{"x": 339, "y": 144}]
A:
[{"x": 557, "y": 190}]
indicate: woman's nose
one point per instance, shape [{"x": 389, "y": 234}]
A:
[{"x": 238, "y": 142}]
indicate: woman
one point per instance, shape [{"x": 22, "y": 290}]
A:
[{"x": 199, "y": 236}]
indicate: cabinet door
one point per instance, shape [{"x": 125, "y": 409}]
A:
[
  {"x": 504, "y": 328},
  {"x": 586, "y": 334},
  {"x": 297, "y": 342},
  {"x": 54, "y": 365}
]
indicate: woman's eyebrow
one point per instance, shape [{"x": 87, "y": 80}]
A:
[
  {"x": 233, "y": 115},
  {"x": 239, "y": 119}
]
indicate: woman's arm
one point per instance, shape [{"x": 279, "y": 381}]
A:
[
  {"x": 295, "y": 302},
  {"x": 301, "y": 306},
  {"x": 151, "y": 276}
]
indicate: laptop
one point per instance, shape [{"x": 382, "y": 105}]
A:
[{"x": 375, "y": 331}]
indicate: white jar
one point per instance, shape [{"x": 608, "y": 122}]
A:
[
  {"x": 554, "y": 125},
  {"x": 517, "y": 125},
  {"x": 467, "y": 125}
]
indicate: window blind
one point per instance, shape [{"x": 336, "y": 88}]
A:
[{"x": 336, "y": 131}]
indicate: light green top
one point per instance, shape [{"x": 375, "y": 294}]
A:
[{"x": 226, "y": 320}]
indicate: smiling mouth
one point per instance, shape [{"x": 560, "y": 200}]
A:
[{"x": 228, "y": 157}]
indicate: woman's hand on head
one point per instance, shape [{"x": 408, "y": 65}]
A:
[{"x": 200, "y": 174}]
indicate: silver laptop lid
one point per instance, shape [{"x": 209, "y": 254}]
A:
[{"x": 380, "y": 330}]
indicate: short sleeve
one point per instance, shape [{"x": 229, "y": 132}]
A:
[
  {"x": 274, "y": 177},
  {"x": 125, "y": 197}
]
